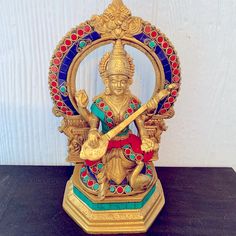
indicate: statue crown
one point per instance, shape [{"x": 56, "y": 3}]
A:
[{"x": 117, "y": 62}]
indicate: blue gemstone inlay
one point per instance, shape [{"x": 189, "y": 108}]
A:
[
  {"x": 165, "y": 62},
  {"x": 167, "y": 67},
  {"x": 160, "y": 105},
  {"x": 168, "y": 76},
  {"x": 67, "y": 61},
  {"x": 141, "y": 37},
  {"x": 158, "y": 49},
  {"x": 64, "y": 68},
  {"x": 93, "y": 36},
  {"x": 161, "y": 55},
  {"x": 163, "y": 58},
  {"x": 68, "y": 103},
  {"x": 62, "y": 78}
]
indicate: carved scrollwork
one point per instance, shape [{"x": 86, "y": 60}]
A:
[
  {"x": 117, "y": 21},
  {"x": 76, "y": 129}
]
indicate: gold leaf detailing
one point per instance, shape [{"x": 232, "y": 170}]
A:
[{"x": 117, "y": 21}]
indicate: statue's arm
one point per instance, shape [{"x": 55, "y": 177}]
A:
[
  {"x": 82, "y": 102},
  {"x": 139, "y": 122}
]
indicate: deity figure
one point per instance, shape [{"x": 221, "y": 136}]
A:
[{"x": 124, "y": 166}]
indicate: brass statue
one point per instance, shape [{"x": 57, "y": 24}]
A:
[{"x": 114, "y": 187}]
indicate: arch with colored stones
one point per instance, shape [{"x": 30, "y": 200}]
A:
[{"x": 79, "y": 39}]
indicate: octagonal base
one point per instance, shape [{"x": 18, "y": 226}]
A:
[{"x": 110, "y": 217}]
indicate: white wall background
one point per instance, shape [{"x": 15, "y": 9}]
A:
[{"x": 203, "y": 132}]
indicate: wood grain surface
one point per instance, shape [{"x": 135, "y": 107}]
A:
[{"x": 199, "y": 201}]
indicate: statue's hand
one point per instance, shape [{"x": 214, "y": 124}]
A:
[
  {"x": 153, "y": 102},
  {"x": 93, "y": 138},
  {"x": 81, "y": 98},
  {"x": 148, "y": 145}
]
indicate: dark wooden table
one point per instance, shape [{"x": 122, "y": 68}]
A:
[{"x": 199, "y": 201}]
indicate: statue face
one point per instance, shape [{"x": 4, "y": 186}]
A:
[{"x": 118, "y": 84}]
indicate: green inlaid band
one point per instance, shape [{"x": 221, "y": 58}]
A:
[{"x": 115, "y": 205}]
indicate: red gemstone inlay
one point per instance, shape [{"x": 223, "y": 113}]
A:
[
  {"x": 90, "y": 183},
  {"x": 174, "y": 93},
  {"x": 160, "y": 39},
  {"x": 130, "y": 110},
  {"x": 102, "y": 104},
  {"x": 165, "y": 45},
  {"x": 175, "y": 65},
  {"x": 56, "y": 61},
  {"x": 127, "y": 151},
  {"x": 59, "y": 104},
  {"x": 109, "y": 113},
  {"x": 54, "y": 90},
  {"x": 149, "y": 171},
  {"x": 119, "y": 189},
  {"x": 80, "y": 32},
  {"x": 176, "y": 72},
  {"x": 135, "y": 101},
  {"x": 64, "y": 109},
  {"x": 69, "y": 113},
  {"x": 59, "y": 54},
  {"x": 171, "y": 99},
  {"x": 169, "y": 51},
  {"x": 68, "y": 42},
  {"x": 73, "y": 36},
  {"x": 176, "y": 79},
  {"x": 54, "y": 69},
  {"x": 154, "y": 34},
  {"x": 56, "y": 97},
  {"x": 163, "y": 111},
  {"x": 84, "y": 174},
  {"x": 109, "y": 125},
  {"x": 147, "y": 29},
  {"x": 139, "y": 157},
  {"x": 167, "y": 105},
  {"x": 53, "y": 76},
  {"x": 173, "y": 58},
  {"x": 63, "y": 48},
  {"x": 94, "y": 169},
  {"x": 54, "y": 84},
  {"x": 87, "y": 28}
]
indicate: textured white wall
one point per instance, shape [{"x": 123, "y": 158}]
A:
[{"x": 203, "y": 132}]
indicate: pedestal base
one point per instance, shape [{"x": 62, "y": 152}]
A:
[{"x": 112, "y": 218}]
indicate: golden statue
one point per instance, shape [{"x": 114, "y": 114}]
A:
[{"x": 114, "y": 187}]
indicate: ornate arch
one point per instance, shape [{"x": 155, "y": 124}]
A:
[{"x": 116, "y": 22}]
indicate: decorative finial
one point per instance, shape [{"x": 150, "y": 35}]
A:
[{"x": 117, "y": 21}]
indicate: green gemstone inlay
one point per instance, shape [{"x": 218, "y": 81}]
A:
[
  {"x": 98, "y": 100},
  {"x": 63, "y": 89},
  {"x": 96, "y": 186},
  {"x": 132, "y": 156},
  {"x": 149, "y": 175},
  {"x": 113, "y": 206},
  {"x": 127, "y": 189},
  {"x": 126, "y": 146},
  {"x": 82, "y": 44},
  {"x": 83, "y": 169},
  {"x": 86, "y": 178},
  {"x": 109, "y": 120},
  {"x": 112, "y": 189},
  {"x": 152, "y": 44},
  {"x": 132, "y": 106},
  {"x": 100, "y": 165},
  {"x": 106, "y": 108},
  {"x": 126, "y": 116},
  {"x": 149, "y": 167}
]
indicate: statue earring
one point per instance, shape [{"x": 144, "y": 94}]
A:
[{"x": 107, "y": 91}]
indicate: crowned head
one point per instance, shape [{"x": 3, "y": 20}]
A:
[{"x": 116, "y": 67}]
